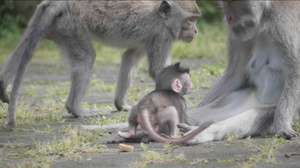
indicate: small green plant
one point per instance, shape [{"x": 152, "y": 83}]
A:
[
  {"x": 96, "y": 107},
  {"x": 136, "y": 93},
  {"x": 216, "y": 70},
  {"x": 22, "y": 130},
  {"x": 200, "y": 77},
  {"x": 233, "y": 138},
  {"x": 51, "y": 111},
  {"x": 66, "y": 129},
  {"x": 47, "y": 112},
  {"x": 152, "y": 157},
  {"x": 98, "y": 84},
  {"x": 296, "y": 126},
  {"x": 31, "y": 89},
  {"x": 57, "y": 90},
  {"x": 266, "y": 153},
  {"x": 44, "y": 130},
  {"x": 226, "y": 161},
  {"x": 169, "y": 148}
]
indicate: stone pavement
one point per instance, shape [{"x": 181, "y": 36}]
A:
[{"x": 227, "y": 153}]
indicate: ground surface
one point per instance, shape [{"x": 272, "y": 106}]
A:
[{"x": 14, "y": 146}]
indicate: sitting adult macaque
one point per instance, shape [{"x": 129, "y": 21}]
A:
[
  {"x": 161, "y": 110},
  {"x": 260, "y": 90}
]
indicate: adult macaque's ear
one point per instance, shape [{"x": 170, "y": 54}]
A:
[
  {"x": 164, "y": 9},
  {"x": 176, "y": 86}
]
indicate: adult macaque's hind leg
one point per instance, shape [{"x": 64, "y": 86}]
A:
[
  {"x": 81, "y": 54},
  {"x": 130, "y": 60},
  {"x": 3, "y": 94},
  {"x": 257, "y": 121}
]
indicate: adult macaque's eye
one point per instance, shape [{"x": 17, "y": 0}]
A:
[{"x": 193, "y": 19}]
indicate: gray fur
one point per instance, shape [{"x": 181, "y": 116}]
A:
[
  {"x": 260, "y": 87},
  {"x": 162, "y": 109},
  {"x": 72, "y": 25}
]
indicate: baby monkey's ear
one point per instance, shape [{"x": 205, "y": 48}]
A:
[{"x": 176, "y": 86}]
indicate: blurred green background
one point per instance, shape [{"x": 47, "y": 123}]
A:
[{"x": 15, "y": 13}]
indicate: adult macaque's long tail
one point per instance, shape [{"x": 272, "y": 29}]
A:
[{"x": 44, "y": 16}]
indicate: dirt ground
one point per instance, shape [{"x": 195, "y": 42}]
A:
[{"x": 256, "y": 152}]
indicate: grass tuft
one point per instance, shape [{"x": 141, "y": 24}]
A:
[
  {"x": 266, "y": 153},
  {"x": 75, "y": 142},
  {"x": 152, "y": 157}
]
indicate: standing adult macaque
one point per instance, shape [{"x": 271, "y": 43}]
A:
[
  {"x": 259, "y": 92},
  {"x": 144, "y": 27},
  {"x": 162, "y": 109}
]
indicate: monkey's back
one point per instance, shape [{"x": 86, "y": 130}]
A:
[
  {"x": 163, "y": 99},
  {"x": 108, "y": 20}
]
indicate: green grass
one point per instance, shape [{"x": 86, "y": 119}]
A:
[
  {"x": 152, "y": 157},
  {"x": 210, "y": 43},
  {"x": 44, "y": 130},
  {"x": 201, "y": 77},
  {"x": 57, "y": 89},
  {"x": 136, "y": 93},
  {"x": 104, "y": 120},
  {"x": 101, "y": 86},
  {"x": 74, "y": 145},
  {"x": 227, "y": 161},
  {"x": 296, "y": 126},
  {"x": 233, "y": 138},
  {"x": 46, "y": 113},
  {"x": 267, "y": 152},
  {"x": 75, "y": 142}
]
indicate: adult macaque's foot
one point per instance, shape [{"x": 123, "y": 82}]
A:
[{"x": 3, "y": 94}]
